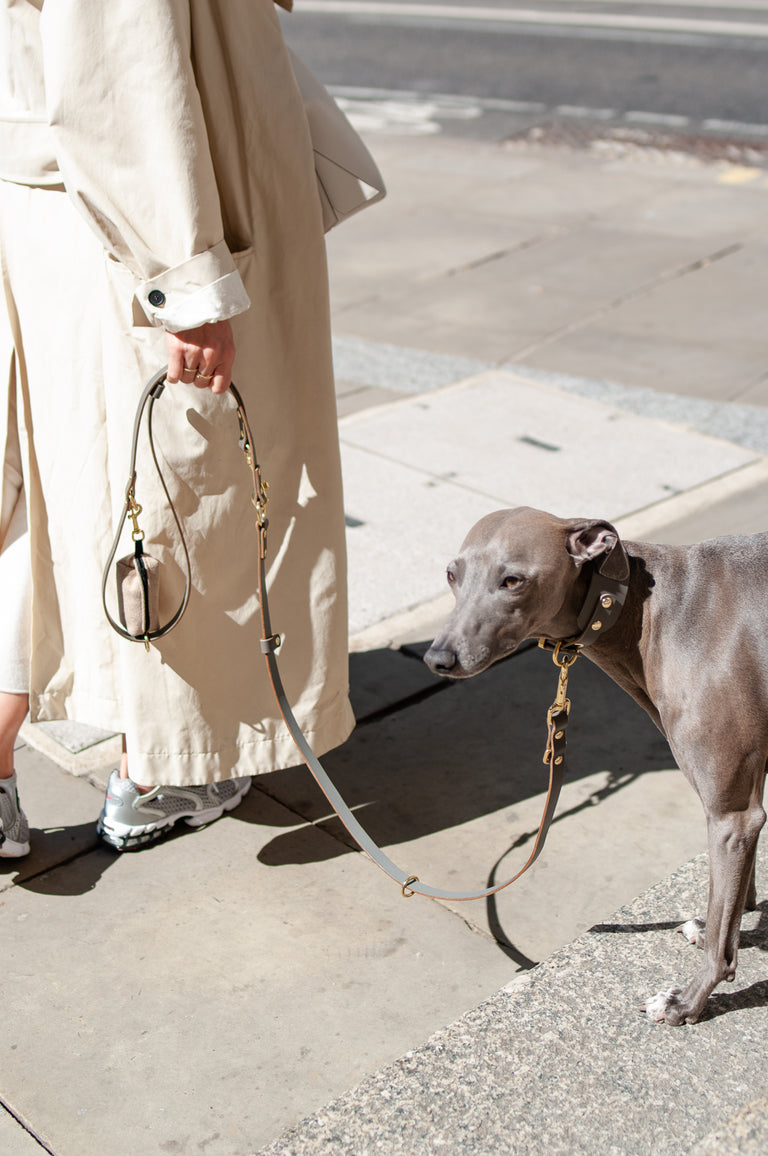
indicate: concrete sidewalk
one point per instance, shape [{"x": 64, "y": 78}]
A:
[{"x": 512, "y": 325}]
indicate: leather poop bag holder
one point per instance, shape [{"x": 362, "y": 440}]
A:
[{"x": 139, "y": 576}]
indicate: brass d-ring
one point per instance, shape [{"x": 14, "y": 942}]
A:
[{"x": 405, "y": 889}]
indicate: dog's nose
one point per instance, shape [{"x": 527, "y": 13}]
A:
[{"x": 440, "y": 661}]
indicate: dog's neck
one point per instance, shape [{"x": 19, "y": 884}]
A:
[
  {"x": 595, "y": 605},
  {"x": 618, "y": 651}
]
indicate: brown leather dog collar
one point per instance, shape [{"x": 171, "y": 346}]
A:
[{"x": 603, "y": 604}]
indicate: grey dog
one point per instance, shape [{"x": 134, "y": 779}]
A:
[{"x": 688, "y": 644}]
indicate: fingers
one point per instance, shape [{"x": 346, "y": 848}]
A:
[
  {"x": 175, "y": 358},
  {"x": 202, "y": 357}
]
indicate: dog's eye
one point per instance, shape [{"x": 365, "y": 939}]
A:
[
  {"x": 450, "y": 576},
  {"x": 512, "y": 582}
]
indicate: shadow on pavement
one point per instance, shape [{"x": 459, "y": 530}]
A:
[
  {"x": 750, "y": 937},
  {"x": 63, "y": 861},
  {"x": 472, "y": 750},
  {"x": 720, "y": 1003},
  {"x": 439, "y": 758}
]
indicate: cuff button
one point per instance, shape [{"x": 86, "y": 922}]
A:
[{"x": 156, "y": 298}]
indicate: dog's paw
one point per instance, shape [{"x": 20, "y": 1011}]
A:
[
  {"x": 658, "y": 1007},
  {"x": 693, "y": 930}
]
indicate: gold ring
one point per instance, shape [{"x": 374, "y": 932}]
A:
[
  {"x": 406, "y": 887},
  {"x": 203, "y": 376}
]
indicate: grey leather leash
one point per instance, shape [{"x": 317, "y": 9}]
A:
[{"x": 602, "y": 606}]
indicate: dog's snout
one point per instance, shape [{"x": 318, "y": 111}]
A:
[{"x": 440, "y": 660}]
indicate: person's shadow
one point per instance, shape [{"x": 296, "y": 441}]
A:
[{"x": 62, "y": 861}]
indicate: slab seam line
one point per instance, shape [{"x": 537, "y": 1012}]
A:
[
  {"x": 643, "y": 290},
  {"x": 25, "y": 1127}
]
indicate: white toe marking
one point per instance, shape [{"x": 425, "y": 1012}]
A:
[
  {"x": 656, "y": 1007},
  {"x": 692, "y": 929}
]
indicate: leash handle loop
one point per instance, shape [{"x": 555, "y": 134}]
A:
[{"x": 132, "y": 509}]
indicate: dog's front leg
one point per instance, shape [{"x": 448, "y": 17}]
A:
[
  {"x": 732, "y": 840},
  {"x": 750, "y": 903},
  {"x": 694, "y": 930}
]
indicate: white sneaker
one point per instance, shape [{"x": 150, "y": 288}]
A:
[
  {"x": 14, "y": 828},
  {"x": 130, "y": 819}
]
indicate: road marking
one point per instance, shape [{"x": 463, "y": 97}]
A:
[
  {"x": 739, "y": 175},
  {"x": 492, "y": 103},
  {"x": 666, "y": 119},
  {"x": 406, "y": 117},
  {"x": 486, "y": 15},
  {"x": 578, "y": 111},
  {"x": 736, "y": 127},
  {"x": 419, "y": 113}
]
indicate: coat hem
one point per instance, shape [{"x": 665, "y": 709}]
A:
[{"x": 255, "y": 755}]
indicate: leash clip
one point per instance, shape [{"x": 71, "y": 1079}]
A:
[
  {"x": 564, "y": 656},
  {"x": 133, "y": 509}
]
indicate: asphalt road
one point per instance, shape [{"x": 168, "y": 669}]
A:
[{"x": 496, "y": 69}]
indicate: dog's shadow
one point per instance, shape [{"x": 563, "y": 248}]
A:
[
  {"x": 721, "y": 1002},
  {"x": 451, "y": 752},
  {"x": 752, "y": 937}
]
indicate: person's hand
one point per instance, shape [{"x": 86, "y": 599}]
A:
[{"x": 202, "y": 356}]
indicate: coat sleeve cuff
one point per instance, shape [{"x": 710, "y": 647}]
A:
[{"x": 204, "y": 289}]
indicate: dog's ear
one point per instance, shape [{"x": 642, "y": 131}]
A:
[{"x": 588, "y": 540}]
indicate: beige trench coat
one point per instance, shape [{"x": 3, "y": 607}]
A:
[{"x": 178, "y": 131}]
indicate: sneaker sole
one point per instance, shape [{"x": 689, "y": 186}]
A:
[
  {"x": 12, "y": 850},
  {"x": 124, "y": 837}
]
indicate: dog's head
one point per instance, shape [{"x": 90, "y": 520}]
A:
[{"x": 519, "y": 574}]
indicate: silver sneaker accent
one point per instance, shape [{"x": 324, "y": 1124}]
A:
[
  {"x": 14, "y": 828},
  {"x": 129, "y": 819}
]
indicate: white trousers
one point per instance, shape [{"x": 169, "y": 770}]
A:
[{"x": 15, "y": 583}]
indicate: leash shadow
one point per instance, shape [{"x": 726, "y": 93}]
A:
[
  {"x": 446, "y": 754},
  {"x": 615, "y": 783}
]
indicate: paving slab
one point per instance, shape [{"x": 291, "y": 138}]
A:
[
  {"x": 734, "y": 505},
  {"x": 15, "y": 1140},
  {"x": 561, "y": 1061},
  {"x": 659, "y": 338},
  {"x": 614, "y": 265},
  {"x": 686, "y": 198},
  {"x": 454, "y": 787},
  {"x": 743, "y": 424},
  {"x": 445, "y": 458},
  {"x": 220, "y": 995},
  {"x": 75, "y": 746},
  {"x": 62, "y": 814},
  {"x": 352, "y": 396},
  {"x": 503, "y": 307}
]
